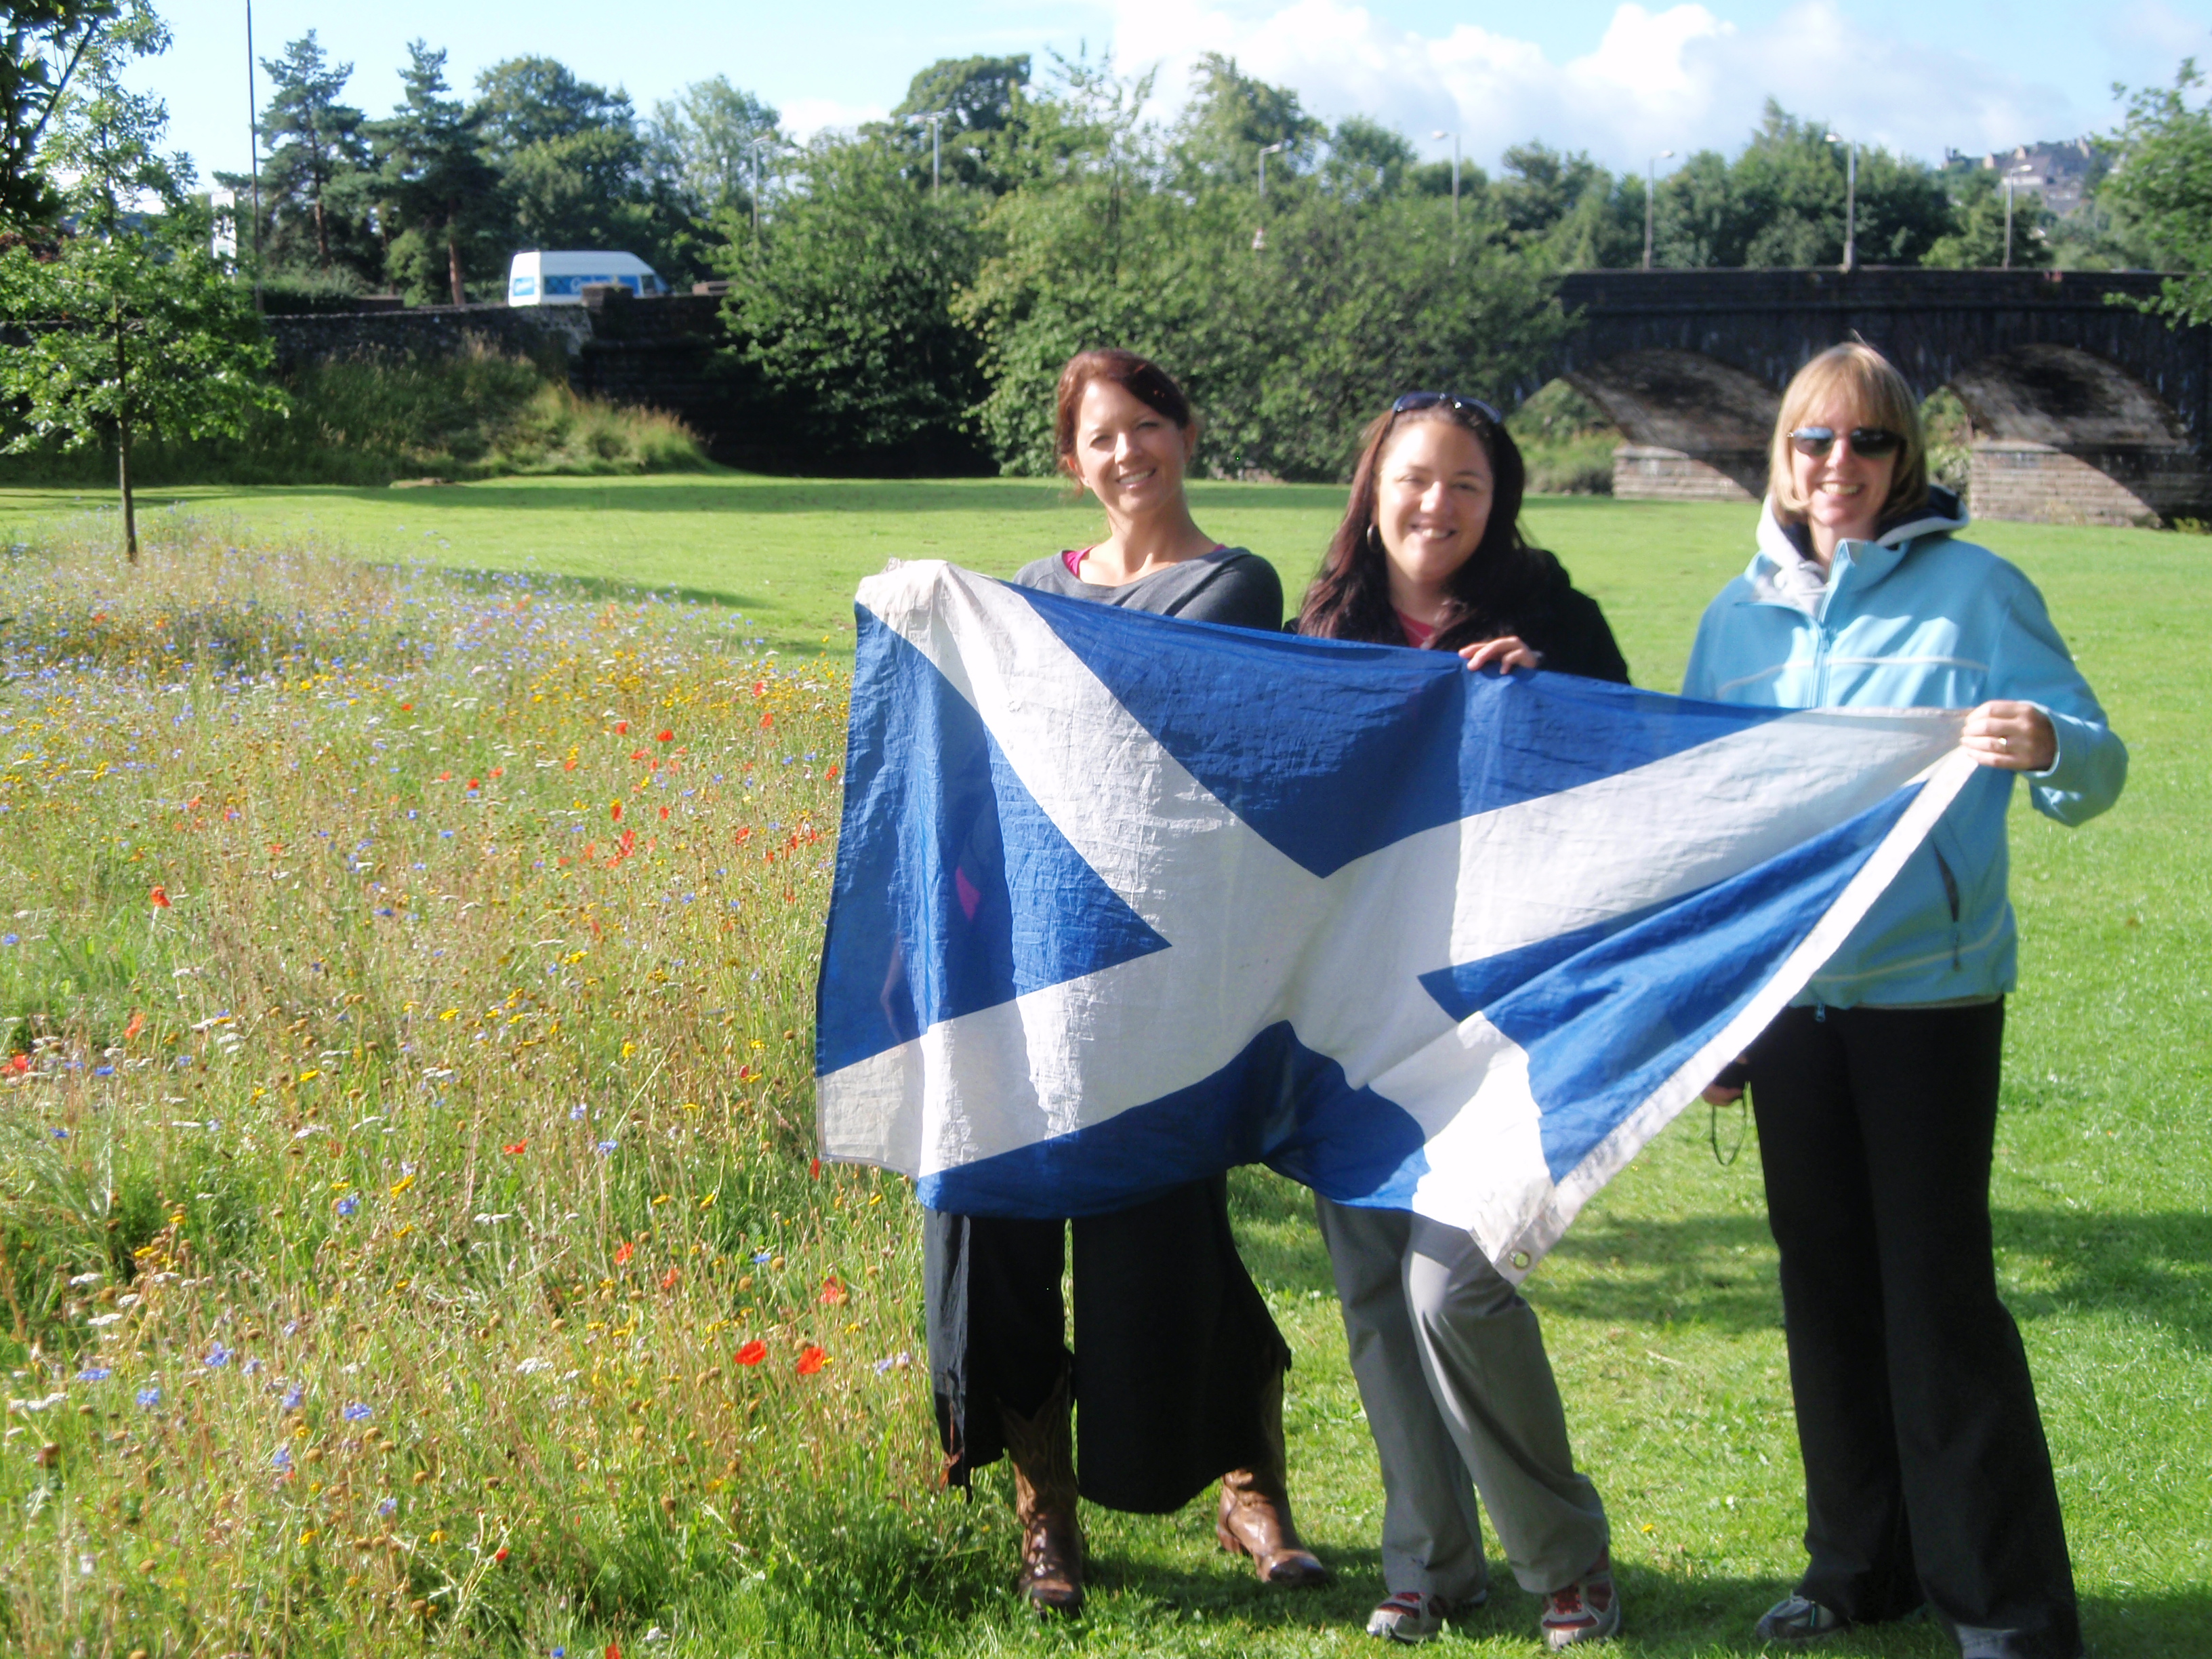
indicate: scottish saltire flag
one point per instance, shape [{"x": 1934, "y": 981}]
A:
[{"x": 1122, "y": 901}]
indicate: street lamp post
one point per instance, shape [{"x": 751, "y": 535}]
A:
[
  {"x": 756, "y": 146},
  {"x": 936, "y": 171},
  {"x": 1650, "y": 186},
  {"x": 253, "y": 152},
  {"x": 1260, "y": 234},
  {"x": 1850, "y": 199},
  {"x": 2011, "y": 182}
]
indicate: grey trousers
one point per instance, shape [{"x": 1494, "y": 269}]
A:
[{"x": 1460, "y": 1400}]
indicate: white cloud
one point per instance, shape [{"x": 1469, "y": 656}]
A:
[
  {"x": 1678, "y": 78},
  {"x": 804, "y": 116}
]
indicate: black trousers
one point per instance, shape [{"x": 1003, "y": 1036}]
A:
[
  {"x": 1926, "y": 1472},
  {"x": 1175, "y": 1349}
]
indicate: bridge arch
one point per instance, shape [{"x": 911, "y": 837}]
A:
[{"x": 2083, "y": 410}]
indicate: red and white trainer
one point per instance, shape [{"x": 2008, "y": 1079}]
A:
[{"x": 1588, "y": 1610}]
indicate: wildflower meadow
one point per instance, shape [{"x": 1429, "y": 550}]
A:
[
  {"x": 410, "y": 1240},
  {"x": 412, "y": 1234}
]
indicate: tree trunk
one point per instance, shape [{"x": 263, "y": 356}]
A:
[
  {"x": 123, "y": 477},
  {"x": 123, "y": 441},
  {"x": 453, "y": 262},
  {"x": 322, "y": 234}
]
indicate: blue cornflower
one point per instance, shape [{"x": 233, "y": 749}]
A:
[
  {"x": 294, "y": 1398},
  {"x": 356, "y": 1412},
  {"x": 389, "y": 1506},
  {"x": 150, "y": 1398},
  {"x": 606, "y": 1148},
  {"x": 349, "y": 1203},
  {"x": 217, "y": 1356},
  {"x": 578, "y": 1112},
  {"x": 282, "y": 1458},
  {"x": 95, "y": 1374},
  {"x": 762, "y": 1255}
]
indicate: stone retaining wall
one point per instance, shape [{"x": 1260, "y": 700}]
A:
[{"x": 1646, "y": 472}]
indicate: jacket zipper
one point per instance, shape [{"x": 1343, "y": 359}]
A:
[{"x": 1950, "y": 893}]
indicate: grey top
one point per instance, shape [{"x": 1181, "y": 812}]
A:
[{"x": 1230, "y": 584}]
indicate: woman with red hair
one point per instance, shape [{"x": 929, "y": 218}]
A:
[{"x": 1177, "y": 1366}]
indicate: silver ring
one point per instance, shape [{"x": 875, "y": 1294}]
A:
[{"x": 2004, "y": 744}]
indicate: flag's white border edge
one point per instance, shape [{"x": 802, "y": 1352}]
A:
[{"x": 1518, "y": 1256}]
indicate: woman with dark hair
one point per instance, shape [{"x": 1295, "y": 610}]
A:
[
  {"x": 1449, "y": 1360},
  {"x": 1177, "y": 1366},
  {"x": 1927, "y": 1477}
]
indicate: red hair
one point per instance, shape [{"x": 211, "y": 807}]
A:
[{"x": 1140, "y": 376}]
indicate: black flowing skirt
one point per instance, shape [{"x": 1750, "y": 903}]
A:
[{"x": 1175, "y": 1349}]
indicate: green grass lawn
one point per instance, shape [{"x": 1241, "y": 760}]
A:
[{"x": 1660, "y": 1306}]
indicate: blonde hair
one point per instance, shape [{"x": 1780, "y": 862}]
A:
[{"x": 1876, "y": 394}]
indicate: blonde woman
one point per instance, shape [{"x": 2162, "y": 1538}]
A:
[{"x": 1927, "y": 1478}]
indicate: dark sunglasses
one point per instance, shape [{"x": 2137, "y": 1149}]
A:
[
  {"x": 1872, "y": 442},
  {"x": 1451, "y": 400}
]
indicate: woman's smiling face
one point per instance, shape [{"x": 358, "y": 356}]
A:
[
  {"x": 1128, "y": 454},
  {"x": 1433, "y": 492},
  {"x": 1843, "y": 490}
]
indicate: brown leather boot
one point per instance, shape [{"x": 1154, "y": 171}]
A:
[
  {"x": 1042, "y": 1451},
  {"x": 1255, "y": 1508}
]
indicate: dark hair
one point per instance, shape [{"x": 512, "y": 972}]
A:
[
  {"x": 1350, "y": 599},
  {"x": 1140, "y": 376}
]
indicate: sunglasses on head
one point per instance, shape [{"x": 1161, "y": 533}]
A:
[
  {"x": 1451, "y": 400},
  {"x": 1872, "y": 442}
]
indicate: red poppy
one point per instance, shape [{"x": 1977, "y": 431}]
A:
[
  {"x": 663, "y": 811},
  {"x": 664, "y": 737},
  {"x": 831, "y": 776},
  {"x": 814, "y": 1169},
  {"x": 137, "y": 1025},
  {"x": 614, "y": 1650},
  {"x": 752, "y": 1353},
  {"x": 767, "y": 720},
  {"x": 19, "y": 1064},
  {"x": 516, "y": 1148},
  {"x": 834, "y": 1292},
  {"x": 159, "y": 898},
  {"x": 499, "y": 771},
  {"x": 621, "y": 726},
  {"x": 616, "y": 812},
  {"x": 760, "y": 687},
  {"x": 668, "y": 1280},
  {"x": 637, "y": 754},
  {"x": 445, "y": 777},
  {"x": 406, "y": 707},
  {"x": 476, "y": 783},
  {"x": 499, "y": 1554},
  {"x": 624, "y": 1255},
  {"x": 811, "y": 1359}
]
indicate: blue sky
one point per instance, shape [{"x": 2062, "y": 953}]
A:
[{"x": 1622, "y": 81}]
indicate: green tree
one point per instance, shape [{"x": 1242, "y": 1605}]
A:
[
  {"x": 1567, "y": 209},
  {"x": 2163, "y": 184},
  {"x": 847, "y": 313},
  {"x": 129, "y": 329},
  {"x": 43, "y": 45},
  {"x": 1358, "y": 292},
  {"x": 981, "y": 103},
  {"x": 1782, "y": 201},
  {"x": 318, "y": 165},
  {"x": 574, "y": 166},
  {"x": 1231, "y": 117},
  {"x": 438, "y": 191},
  {"x": 700, "y": 147},
  {"x": 1978, "y": 206}
]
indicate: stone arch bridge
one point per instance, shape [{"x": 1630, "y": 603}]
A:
[{"x": 2085, "y": 409}]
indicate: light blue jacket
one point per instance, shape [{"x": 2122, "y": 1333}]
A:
[{"x": 1917, "y": 619}]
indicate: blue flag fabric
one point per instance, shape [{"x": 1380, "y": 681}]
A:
[{"x": 1122, "y": 901}]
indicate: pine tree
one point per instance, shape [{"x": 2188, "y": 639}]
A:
[
  {"x": 316, "y": 146},
  {"x": 434, "y": 178}
]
